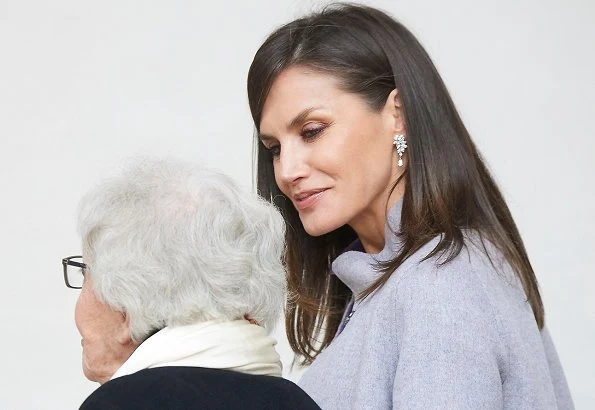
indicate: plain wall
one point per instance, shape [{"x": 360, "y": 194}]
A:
[{"x": 85, "y": 85}]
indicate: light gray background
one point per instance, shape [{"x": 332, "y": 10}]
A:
[{"x": 85, "y": 85}]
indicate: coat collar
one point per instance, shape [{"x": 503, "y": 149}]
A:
[{"x": 358, "y": 269}]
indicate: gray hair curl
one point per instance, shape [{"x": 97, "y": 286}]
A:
[{"x": 170, "y": 243}]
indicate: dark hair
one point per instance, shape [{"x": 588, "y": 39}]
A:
[{"x": 448, "y": 188}]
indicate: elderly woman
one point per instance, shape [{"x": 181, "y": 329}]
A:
[{"x": 176, "y": 259}]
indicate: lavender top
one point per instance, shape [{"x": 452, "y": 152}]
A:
[{"x": 455, "y": 336}]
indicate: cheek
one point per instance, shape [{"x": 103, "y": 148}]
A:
[
  {"x": 278, "y": 181},
  {"x": 78, "y": 312},
  {"x": 84, "y": 311}
]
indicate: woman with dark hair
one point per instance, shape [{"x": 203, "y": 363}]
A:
[{"x": 413, "y": 287}]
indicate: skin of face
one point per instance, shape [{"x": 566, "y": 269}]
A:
[
  {"x": 333, "y": 156},
  {"x": 106, "y": 338}
]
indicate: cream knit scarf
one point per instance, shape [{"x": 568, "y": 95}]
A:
[{"x": 234, "y": 345}]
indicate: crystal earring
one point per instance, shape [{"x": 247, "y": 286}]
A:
[{"x": 401, "y": 145}]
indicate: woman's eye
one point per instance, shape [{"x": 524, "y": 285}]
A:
[
  {"x": 312, "y": 132},
  {"x": 275, "y": 150}
]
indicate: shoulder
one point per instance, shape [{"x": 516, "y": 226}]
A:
[
  {"x": 466, "y": 294},
  {"x": 135, "y": 391},
  {"x": 449, "y": 340},
  {"x": 468, "y": 278},
  {"x": 114, "y": 394},
  {"x": 184, "y": 387}
]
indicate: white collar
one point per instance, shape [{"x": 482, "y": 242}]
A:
[{"x": 231, "y": 345}]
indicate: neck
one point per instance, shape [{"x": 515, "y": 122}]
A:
[{"x": 369, "y": 227}]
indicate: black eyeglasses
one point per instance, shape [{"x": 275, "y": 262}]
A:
[{"x": 74, "y": 271}]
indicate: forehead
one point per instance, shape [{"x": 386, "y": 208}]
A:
[{"x": 295, "y": 89}]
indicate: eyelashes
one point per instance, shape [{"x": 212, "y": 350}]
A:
[
  {"x": 308, "y": 135},
  {"x": 311, "y": 133},
  {"x": 274, "y": 150}
]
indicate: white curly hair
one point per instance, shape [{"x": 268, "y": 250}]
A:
[{"x": 170, "y": 243}]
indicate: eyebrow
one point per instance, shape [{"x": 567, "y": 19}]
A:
[{"x": 294, "y": 122}]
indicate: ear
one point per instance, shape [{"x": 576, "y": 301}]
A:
[
  {"x": 123, "y": 335},
  {"x": 394, "y": 111}
]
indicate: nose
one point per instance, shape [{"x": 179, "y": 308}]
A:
[{"x": 293, "y": 164}]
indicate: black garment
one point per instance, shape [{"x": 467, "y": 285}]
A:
[{"x": 197, "y": 388}]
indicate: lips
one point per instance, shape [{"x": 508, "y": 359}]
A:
[{"x": 307, "y": 199}]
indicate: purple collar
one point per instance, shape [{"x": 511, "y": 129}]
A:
[{"x": 358, "y": 269}]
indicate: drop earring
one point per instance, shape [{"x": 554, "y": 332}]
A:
[{"x": 400, "y": 143}]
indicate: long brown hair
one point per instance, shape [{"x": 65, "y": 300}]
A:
[{"x": 447, "y": 189}]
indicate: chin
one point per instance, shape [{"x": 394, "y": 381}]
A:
[
  {"x": 314, "y": 227},
  {"x": 94, "y": 375},
  {"x": 89, "y": 374}
]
